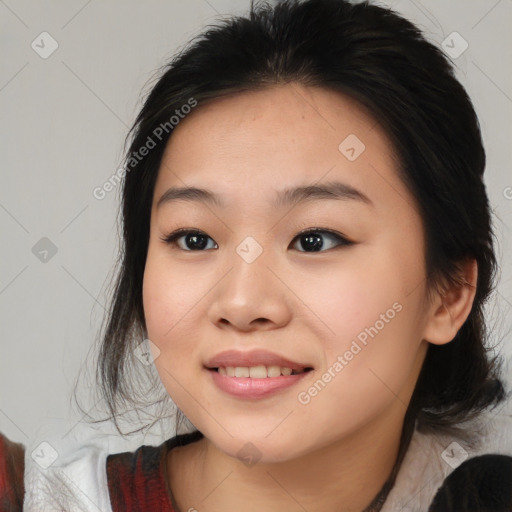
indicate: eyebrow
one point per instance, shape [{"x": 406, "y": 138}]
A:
[{"x": 330, "y": 190}]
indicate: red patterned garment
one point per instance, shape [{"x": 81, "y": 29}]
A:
[
  {"x": 11, "y": 475},
  {"x": 137, "y": 481}
]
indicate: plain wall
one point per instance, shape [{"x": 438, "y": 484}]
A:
[{"x": 63, "y": 122}]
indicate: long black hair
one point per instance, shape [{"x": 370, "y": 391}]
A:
[{"x": 382, "y": 61}]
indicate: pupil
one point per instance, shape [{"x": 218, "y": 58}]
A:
[
  {"x": 193, "y": 240},
  {"x": 315, "y": 241}
]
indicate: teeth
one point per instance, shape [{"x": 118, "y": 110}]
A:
[
  {"x": 256, "y": 372},
  {"x": 274, "y": 371},
  {"x": 241, "y": 371}
]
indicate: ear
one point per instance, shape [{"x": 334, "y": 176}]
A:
[{"x": 450, "y": 306}]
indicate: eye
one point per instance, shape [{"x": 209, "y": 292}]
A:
[
  {"x": 312, "y": 239},
  {"x": 193, "y": 239}
]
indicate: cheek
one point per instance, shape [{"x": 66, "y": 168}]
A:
[
  {"x": 373, "y": 318},
  {"x": 357, "y": 294},
  {"x": 169, "y": 313},
  {"x": 169, "y": 298},
  {"x": 364, "y": 374}
]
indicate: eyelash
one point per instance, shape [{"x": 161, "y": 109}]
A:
[{"x": 175, "y": 235}]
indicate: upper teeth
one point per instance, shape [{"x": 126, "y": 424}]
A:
[{"x": 256, "y": 372}]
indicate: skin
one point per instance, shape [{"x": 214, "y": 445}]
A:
[{"x": 335, "y": 452}]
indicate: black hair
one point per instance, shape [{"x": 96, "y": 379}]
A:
[{"x": 382, "y": 61}]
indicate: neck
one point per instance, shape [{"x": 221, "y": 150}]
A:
[{"x": 344, "y": 476}]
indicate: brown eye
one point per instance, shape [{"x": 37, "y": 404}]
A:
[
  {"x": 192, "y": 240},
  {"x": 313, "y": 240}
]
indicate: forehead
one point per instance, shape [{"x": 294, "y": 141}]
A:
[{"x": 251, "y": 144}]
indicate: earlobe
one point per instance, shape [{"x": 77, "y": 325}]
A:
[{"x": 451, "y": 306}]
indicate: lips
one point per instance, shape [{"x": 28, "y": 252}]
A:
[
  {"x": 243, "y": 374},
  {"x": 236, "y": 358}
]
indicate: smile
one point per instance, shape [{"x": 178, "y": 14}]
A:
[
  {"x": 255, "y": 382},
  {"x": 258, "y": 372}
]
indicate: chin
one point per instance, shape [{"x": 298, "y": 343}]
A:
[{"x": 260, "y": 448}]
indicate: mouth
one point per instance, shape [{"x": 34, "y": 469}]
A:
[
  {"x": 255, "y": 374},
  {"x": 255, "y": 364},
  {"x": 259, "y": 371},
  {"x": 256, "y": 382}
]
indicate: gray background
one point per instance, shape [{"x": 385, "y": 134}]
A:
[{"x": 63, "y": 122}]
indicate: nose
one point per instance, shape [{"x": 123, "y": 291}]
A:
[{"x": 251, "y": 296}]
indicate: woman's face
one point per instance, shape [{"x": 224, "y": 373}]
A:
[{"x": 351, "y": 308}]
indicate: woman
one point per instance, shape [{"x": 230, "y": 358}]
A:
[{"x": 307, "y": 251}]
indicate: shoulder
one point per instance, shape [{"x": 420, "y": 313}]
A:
[
  {"x": 137, "y": 480},
  {"x": 75, "y": 480},
  {"x": 480, "y": 483},
  {"x": 84, "y": 475},
  {"x": 482, "y": 446},
  {"x": 11, "y": 475}
]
